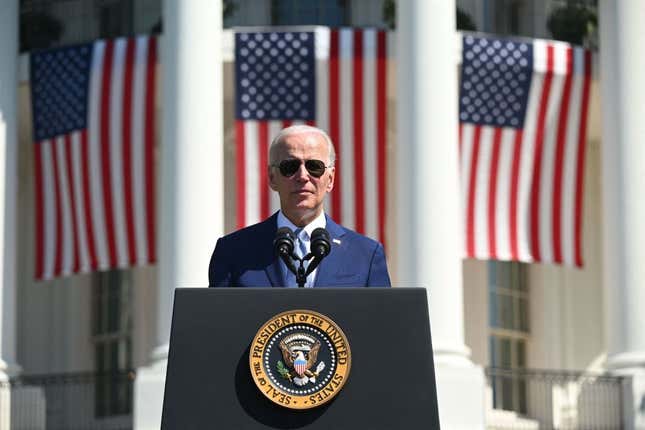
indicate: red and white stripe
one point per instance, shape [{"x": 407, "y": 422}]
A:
[
  {"x": 300, "y": 367},
  {"x": 95, "y": 187},
  {"x": 522, "y": 189},
  {"x": 351, "y": 106},
  {"x": 253, "y": 138}
]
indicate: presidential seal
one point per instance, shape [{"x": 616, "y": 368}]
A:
[{"x": 300, "y": 359}]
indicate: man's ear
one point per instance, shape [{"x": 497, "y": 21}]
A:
[
  {"x": 330, "y": 184},
  {"x": 271, "y": 175}
]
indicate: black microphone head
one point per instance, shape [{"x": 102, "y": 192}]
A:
[
  {"x": 320, "y": 242},
  {"x": 283, "y": 242}
]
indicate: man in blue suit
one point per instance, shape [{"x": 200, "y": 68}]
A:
[{"x": 301, "y": 171}]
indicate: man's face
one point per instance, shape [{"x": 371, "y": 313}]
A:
[{"x": 301, "y": 195}]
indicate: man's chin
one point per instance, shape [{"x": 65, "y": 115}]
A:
[
  {"x": 303, "y": 202},
  {"x": 304, "y": 195},
  {"x": 304, "y": 211}
]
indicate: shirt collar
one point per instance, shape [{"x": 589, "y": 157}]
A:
[{"x": 319, "y": 222}]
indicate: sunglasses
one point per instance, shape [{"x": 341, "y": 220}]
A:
[{"x": 288, "y": 168}]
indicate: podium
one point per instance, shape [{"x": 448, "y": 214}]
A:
[{"x": 391, "y": 383}]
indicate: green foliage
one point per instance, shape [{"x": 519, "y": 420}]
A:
[
  {"x": 389, "y": 13},
  {"x": 229, "y": 6},
  {"x": 38, "y": 30},
  {"x": 572, "y": 23},
  {"x": 282, "y": 370},
  {"x": 464, "y": 21}
]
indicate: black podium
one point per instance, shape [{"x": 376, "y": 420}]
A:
[{"x": 391, "y": 384}]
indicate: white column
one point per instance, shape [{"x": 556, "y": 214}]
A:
[
  {"x": 191, "y": 201},
  {"x": 8, "y": 181},
  {"x": 622, "y": 80},
  {"x": 430, "y": 225}
]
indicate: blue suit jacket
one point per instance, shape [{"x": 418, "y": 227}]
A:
[{"x": 245, "y": 258}]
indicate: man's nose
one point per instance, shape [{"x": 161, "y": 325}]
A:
[{"x": 302, "y": 174}]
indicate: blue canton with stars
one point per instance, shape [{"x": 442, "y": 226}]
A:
[
  {"x": 495, "y": 81},
  {"x": 275, "y": 76},
  {"x": 59, "y": 87}
]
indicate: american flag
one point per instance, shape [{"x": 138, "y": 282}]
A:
[
  {"x": 523, "y": 118},
  {"x": 93, "y": 115},
  {"x": 333, "y": 79}
]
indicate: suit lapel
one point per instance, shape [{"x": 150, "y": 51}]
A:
[
  {"x": 272, "y": 270},
  {"x": 327, "y": 268},
  {"x": 330, "y": 264}
]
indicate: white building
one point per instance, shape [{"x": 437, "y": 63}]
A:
[{"x": 555, "y": 329}]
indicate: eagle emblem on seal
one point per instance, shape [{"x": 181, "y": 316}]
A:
[{"x": 300, "y": 354}]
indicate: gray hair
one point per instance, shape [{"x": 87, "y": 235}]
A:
[{"x": 297, "y": 129}]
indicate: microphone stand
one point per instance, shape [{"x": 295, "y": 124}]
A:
[
  {"x": 283, "y": 245},
  {"x": 301, "y": 274}
]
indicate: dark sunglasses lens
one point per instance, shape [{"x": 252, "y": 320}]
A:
[
  {"x": 316, "y": 168},
  {"x": 289, "y": 167}
]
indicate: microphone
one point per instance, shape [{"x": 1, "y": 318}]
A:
[
  {"x": 283, "y": 242},
  {"x": 320, "y": 243},
  {"x": 320, "y": 247},
  {"x": 283, "y": 247}
]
